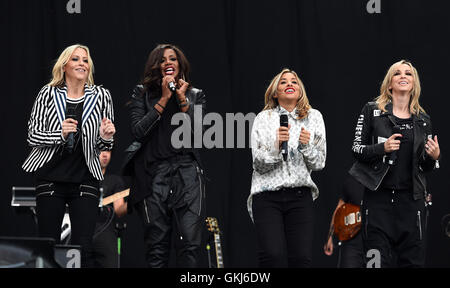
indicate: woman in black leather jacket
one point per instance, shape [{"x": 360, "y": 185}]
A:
[
  {"x": 167, "y": 185},
  {"x": 394, "y": 146}
]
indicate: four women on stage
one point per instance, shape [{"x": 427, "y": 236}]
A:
[{"x": 72, "y": 120}]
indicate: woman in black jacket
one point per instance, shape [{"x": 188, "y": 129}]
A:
[
  {"x": 167, "y": 185},
  {"x": 394, "y": 146}
]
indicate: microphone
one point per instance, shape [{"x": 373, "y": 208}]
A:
[
  {"x": 284, "y": 145},
  {"x": 172, "y": 86},
  {"x": 70, "y": 113},
  {"x": 393, "y": 157}
]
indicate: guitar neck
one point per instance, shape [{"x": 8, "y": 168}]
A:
[
  {"x": 218, "y": 250},
  {"x": 115, "y": 197}
]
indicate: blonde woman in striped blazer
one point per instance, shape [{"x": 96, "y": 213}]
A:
[{"x": 71, "y": 122}]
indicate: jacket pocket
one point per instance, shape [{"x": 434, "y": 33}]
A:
[{"x": 145, "y": 212}]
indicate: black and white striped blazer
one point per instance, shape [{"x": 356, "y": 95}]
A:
[{"x": 45, "y": 126}]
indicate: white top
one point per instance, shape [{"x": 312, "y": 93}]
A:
[{"x": 270, "y": 171}]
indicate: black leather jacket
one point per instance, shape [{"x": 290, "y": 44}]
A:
[
  {"x": 373, "y": 128},
  {"x": 143, "y": 118}
]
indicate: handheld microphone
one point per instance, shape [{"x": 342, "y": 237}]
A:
[
  {"x": 172, "y": 86},
  {"x": 70, "y": 113},
  {"x": 284, "y": 145},
  {"x": 393, "y": 157}
]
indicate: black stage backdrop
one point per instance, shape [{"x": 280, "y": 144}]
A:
[{"x": 339, "y": 49}]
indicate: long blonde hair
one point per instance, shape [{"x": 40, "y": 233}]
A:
[
  {"x": 270, "y": 102},
  {"x": 58, "y": 77},
  {"x": 385, "y": 96}
]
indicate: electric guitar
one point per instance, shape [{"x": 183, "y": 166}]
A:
[
  {"x": 347, "y": 221},
  {"x": 213, "y": 227}
]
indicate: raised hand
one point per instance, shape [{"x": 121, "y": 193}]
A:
[
  {"x": 181, "y": 92},
  {"x": 305, "y": 135},
  {"x": 107, "y": 129},
  {"x": 166, "y": 92},
  {"x": 392, "y": 144},
  {"x": 69, "y": 126},
  {"x": 283, "y": 134}
]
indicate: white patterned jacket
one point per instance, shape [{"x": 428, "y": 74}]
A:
[{"x": 270, "y": 172}]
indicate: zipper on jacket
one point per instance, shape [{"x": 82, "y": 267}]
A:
[
  {"x": 376, "y": 188},
  {"x": 419, "y": 223},
  {"x": 146, "y": 212},
  {"x": 424, "y": 188},
  {"x": 153, "y": 124}
]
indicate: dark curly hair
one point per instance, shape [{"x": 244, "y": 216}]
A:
[{"x": 152, "y": 77}]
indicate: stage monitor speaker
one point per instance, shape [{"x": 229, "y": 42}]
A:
[{"x": 27, "y": 252}]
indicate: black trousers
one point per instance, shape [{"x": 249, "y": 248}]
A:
[
  {"x": 82, "y": 201},
  {"x": 394, "y": 224},
  {"x": 351, "y": 253},
  {"x": 175, "y": 204},
  {"x": 284, "y": 227}
]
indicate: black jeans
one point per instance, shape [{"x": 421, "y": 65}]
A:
[
  {"x": 284, "y": 227},
  {"x": 394, "y": 224},
  {"x": 351, "y": 253},
  {"x": 176, "y": 201},
  {"x": 82, "y": 201}
]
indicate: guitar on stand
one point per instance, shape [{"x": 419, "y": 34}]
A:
[{"x": 213, "y": 227}]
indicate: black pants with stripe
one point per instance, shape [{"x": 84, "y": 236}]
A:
[
  {"x": 393, "y": 224},
  {"x": 82, "y": 202},
  {"x": 175, "y": 205}
]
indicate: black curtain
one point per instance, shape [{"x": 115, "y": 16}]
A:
[{"x": 339, "y": 50}]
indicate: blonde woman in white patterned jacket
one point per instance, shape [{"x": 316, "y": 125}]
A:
[
  {"x": 282, "y": 191},
  {"x": 71, "y": 121}
]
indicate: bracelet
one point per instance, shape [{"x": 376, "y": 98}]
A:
[{"x": 160, "y": 105}]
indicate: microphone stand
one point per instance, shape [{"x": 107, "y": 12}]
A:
[{"x": 119, "y": 229}]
